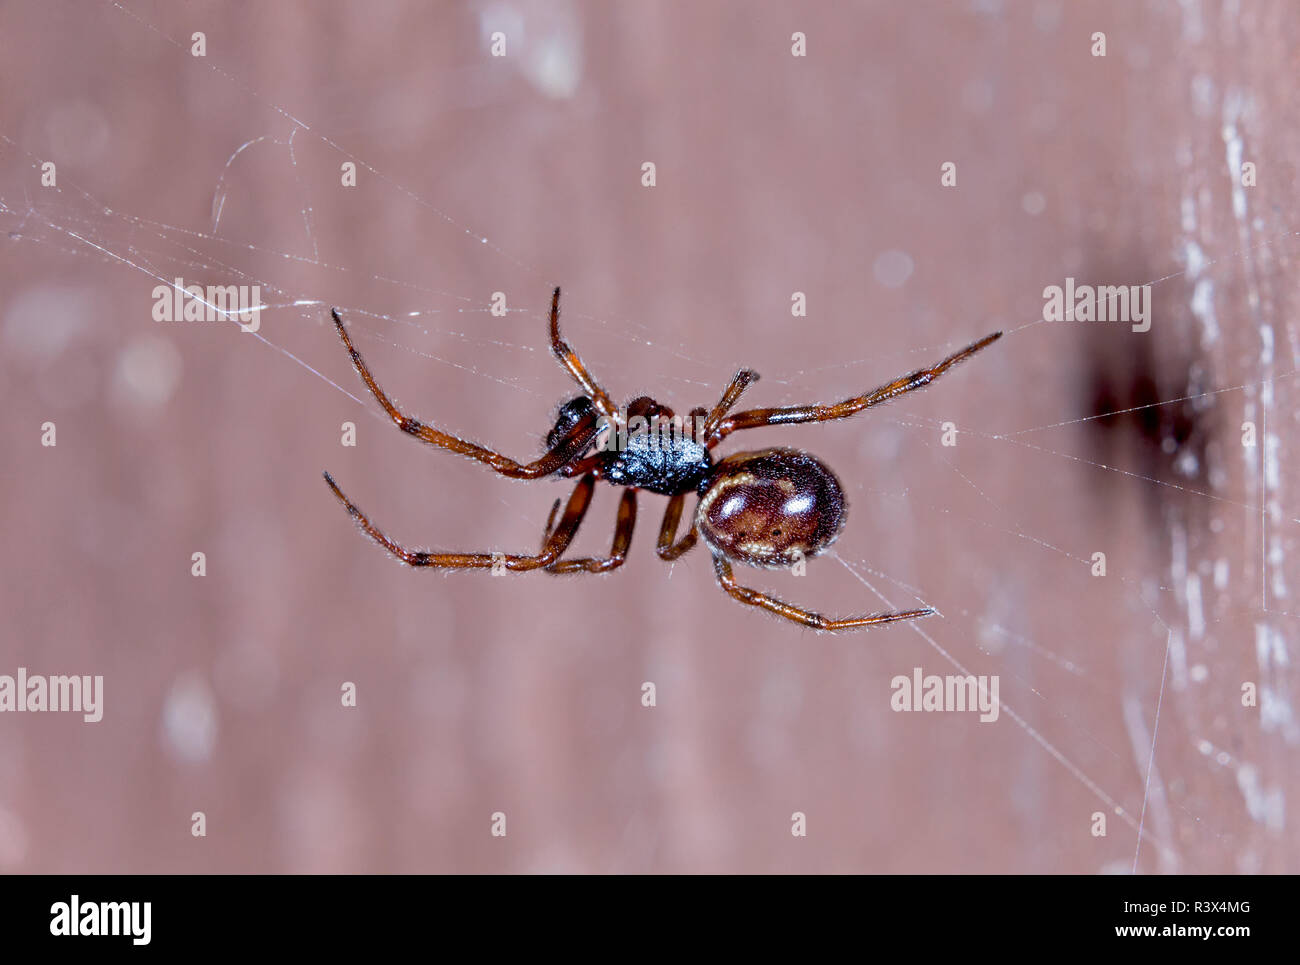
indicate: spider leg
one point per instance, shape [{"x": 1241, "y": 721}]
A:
[
  {"x": 574, "y": 365},
  {"x": 667, "y": 549},
  {"x": 741, "y": 381},
  {"x": 581, "y": 467},
  {"x": 788, "y": 415},
  {"x": 618, "y": 552},
  {"x": 791, "y": 612},
  {"x": 573, "y": 444},
  {"x": 557, "y": 541}
]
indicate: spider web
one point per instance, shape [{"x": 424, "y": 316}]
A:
[{"x": 439, "y": 319}]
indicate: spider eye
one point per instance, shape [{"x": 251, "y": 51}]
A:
[{"x": 769, "y": 508}]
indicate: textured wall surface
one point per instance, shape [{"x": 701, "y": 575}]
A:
[{"x": 1120, "y": 694}]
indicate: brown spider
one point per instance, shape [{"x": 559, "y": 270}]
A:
[{"x": 769, "y": 508}]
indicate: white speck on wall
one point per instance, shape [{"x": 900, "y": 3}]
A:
[
  {"x": 502, "y": 17},
  {"x": 893, "y": 268},
  {"x": 1187, "y": 464},
  {"x": 1178, "y": 552},
  {"x": 1193, "y": 21},
  {"x": 1203, "y": 91},
  {"x": 1202, "y": 303},
  {"x": 1233, "y": 106},
  {"x": 1203, "y": 309},
  {"x": 557, "y": 67},
  {"x": 543, "y": 42},
  {"x": 1266, "y": 805},
  {"x": 1034, "y": 202},
  {"x": 1187, "y": 219},
  {"x": 1276, "y": 714},
  {"x": 189, "y": 719},
  {"x": 1272, "y": 480},
  {"x": 1276, "y": 559},
  {"x": 148, "y": 370},
  {"x": 1195, "y": 615},
  {"x": 991, "y": 638},
  {"x": 1177, "y": 661},
  {"x": 42, "y": 321}
]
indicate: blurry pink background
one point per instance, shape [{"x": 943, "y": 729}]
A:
[{"x": 775, "y": 174}]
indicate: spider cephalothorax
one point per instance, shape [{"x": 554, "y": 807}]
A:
[
  {"x": 656, "y": 457},
  {"x": 570, "y": 416},
  {"x": 770, "y": 508}
]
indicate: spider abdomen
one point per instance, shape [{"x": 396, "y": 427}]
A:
[{"x": 770, "y": 508}]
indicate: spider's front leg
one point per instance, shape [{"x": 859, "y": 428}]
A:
[
  {"x": 573, "y": 364},
  {"x": 799, "y": 615},
  {"x": 739, "y": 383},
  {"x": 556, "y": 542},
  {"x": 574, "y": 443}
]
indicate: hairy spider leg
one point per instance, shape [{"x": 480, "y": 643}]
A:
[
  {"x": 791, "y": 415},
  {"x": 739, "y": 383},
  {"x": 556, "y": 543},
  {"x": 573, "y": 363},
  {"x": 666, "y": 548},
  {"x": 799, "y": 615},
  {"x": 563, "y": 452},
  {"x": 623, "y": 527}
]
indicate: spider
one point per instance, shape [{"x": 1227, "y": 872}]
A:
[{"x": 770, "y": 508}]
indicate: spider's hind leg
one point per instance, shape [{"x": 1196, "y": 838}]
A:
[
  {"x": 669, "y": 548},
  {"x": 618, "y": 552},
  {"x": 799, "y": 615}
]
